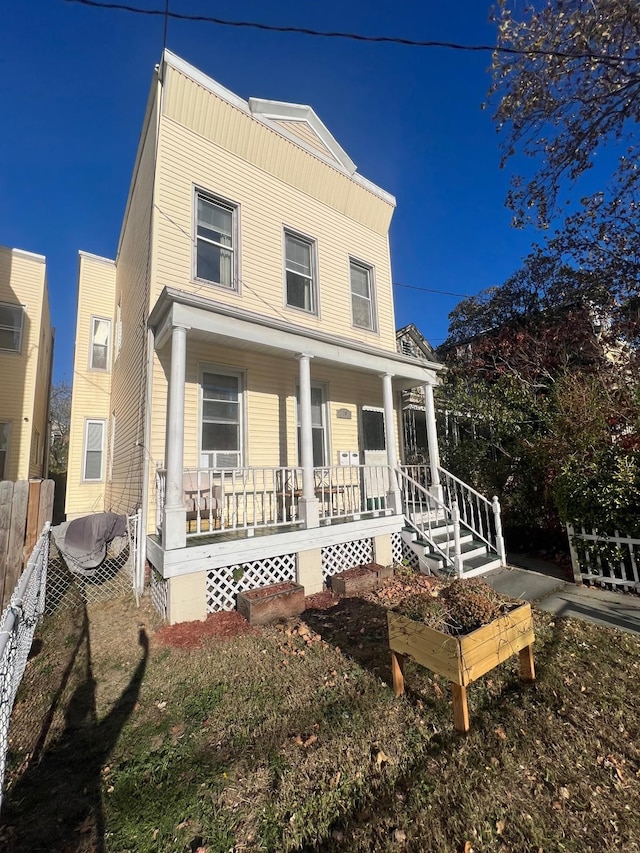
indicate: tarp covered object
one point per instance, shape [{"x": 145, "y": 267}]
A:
[{"x": 83, "y": 541}]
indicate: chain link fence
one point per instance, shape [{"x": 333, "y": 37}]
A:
[{"x": 17, "y": 627}]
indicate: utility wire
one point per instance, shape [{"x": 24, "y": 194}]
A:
[
  {"x": 429, "y": 290},
  {"x": 476, "y": 48}
]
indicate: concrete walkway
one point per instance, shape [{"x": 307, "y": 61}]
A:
[{"x": 550, "y": 591}]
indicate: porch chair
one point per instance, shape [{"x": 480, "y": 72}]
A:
[{"x": 202, "y": 498}]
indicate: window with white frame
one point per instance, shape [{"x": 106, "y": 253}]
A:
[
  {"x": 318, "y": 430},
  {"x": 100, "y": 337},
  {"x": 221, "y": 420},
  {"x": 11, "y": 319},
  {"x": 299, "y": 272},
  {"x": 93, "y": 450},
  {"x": 5, "y": 431},
  {"x": 362, "y": 310},
  {"x": 216, "y": 250}
]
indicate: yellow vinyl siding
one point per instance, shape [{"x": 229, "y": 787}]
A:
[
  {"x": 91, "y": 388},
  {"x": 305, "y": 133},
  {"x": 134, "y": 269},
  {"x": 267, "y": 205},
  {"x": 25, "y": 375}
]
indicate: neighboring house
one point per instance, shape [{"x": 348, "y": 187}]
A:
[
  {"x": 410, "y": 341},
  {"x": 26, "y": 358},
  {"x": 236, "y": 373}
]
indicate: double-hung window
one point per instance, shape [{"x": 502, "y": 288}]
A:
[
  {"x": 221, "y": 429},
  {"x": 11, "y": 327},
  {"x": 93, "y": 450},
  {"x": 100, "y": 336},
  {"x": 216, "y": 250},
  {"x": 300, "y": 272},
  {"x": 362, "y": 309}
]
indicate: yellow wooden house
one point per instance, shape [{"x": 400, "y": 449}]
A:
[
  {"x": 26, "y": 357},
  {"x": 236, "y": 372}
]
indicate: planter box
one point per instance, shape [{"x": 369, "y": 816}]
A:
[
  {"x": 462, "y": 659},
  {"x": 270, "y": 603},
  {"x": 360, "y": 579}
]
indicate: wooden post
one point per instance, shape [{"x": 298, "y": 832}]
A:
[
  {"x": 33, "y": 508},
  {"x": 397, "y": 673},
  {"x": 460, "y": 708},
  {"x": 6, "y": 502},
  {"x": 527, "y": 666},
  {"x": 45, "y": 512},
  {"x": 15, "y": 550}
]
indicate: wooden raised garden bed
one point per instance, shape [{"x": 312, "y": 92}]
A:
[
  {"x": 465, "y": 658},
  {"x": 360, "y": 579},
  {"x": 269, "y": 603}
]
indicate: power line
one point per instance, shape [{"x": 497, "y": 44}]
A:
[
  {"x": 429, "y": 290},
  {"x": 448, "y": 45}
]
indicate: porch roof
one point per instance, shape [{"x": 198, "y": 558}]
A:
[{"x": 242, "y": 329}]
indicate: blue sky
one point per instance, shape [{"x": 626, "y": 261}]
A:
[{"x": 74, "y": 83}]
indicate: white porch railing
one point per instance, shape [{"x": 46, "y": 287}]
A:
[
  {"x": 223, "y": 499},
  {"x": 607, "y": 560},
  {"x": 477, "y": 513},
  {"x": 431, "y": 519}
]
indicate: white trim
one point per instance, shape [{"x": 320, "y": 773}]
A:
[
  {"x": 87, "y": 422},
  {"x": 225, "y": 94},
  {"x": 94, "y": 318},
  {"x": 23, "y": 253},
  {"x": 241, "y": 375},
  {"x": 234, "y": 208},
  {"x": 214, "y": 555},
  {"x": 313, "y": 258},
  {"x": 369, "y": 268},
  {"x": 284, "y": 111},
  {"x": 98, "y": 258}
]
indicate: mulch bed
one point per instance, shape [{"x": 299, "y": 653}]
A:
[{"x": 189, "y": 635}]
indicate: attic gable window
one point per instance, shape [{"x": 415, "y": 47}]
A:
[
  {"x": 300, "y": 272},
  {"x": 216, "y": 250},
  {"x": 11, "y": 317}
]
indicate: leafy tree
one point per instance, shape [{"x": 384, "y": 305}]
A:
[{"x": 59, "y": 421}]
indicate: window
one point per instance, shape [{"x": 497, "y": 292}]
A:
[
  {"x": 100, "y": 334},
  {"x": 11, "y": 327},
  {"x": 361, "y": 296},
  {"x": 93, "y": 450},
  {"x": 318, "y": 432},
  {"x": 221, "y": 432},
  {"x": 373, "y": 437},
  {"x": 215, "y": 241},
  {"x": 5, "y": 430},
  {"x": 299, "y": 269}
]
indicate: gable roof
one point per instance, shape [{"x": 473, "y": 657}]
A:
[{"x": 411, "y": 335}]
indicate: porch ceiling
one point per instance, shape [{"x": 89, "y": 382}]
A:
[{"x": 240, "y": 329}]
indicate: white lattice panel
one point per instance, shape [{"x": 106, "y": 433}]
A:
[
  {"x": 396, "y": 547},
  {"x": 409, "y": 556},
  {"x": 159, "y": 593},
  {"x": 339, "y": 558},
  {"x": 224, "y": 584}
]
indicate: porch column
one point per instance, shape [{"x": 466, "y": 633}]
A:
[
  {"x": 432, "y": 442},
  {"x": 174, "y": 518},
  {"x": 308, "y": 503},
  {"x": 394, "y": 501}
]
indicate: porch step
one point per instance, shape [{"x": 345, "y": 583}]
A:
[{"x": 476, "y": 560}]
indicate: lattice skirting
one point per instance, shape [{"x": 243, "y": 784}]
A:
[
  {"x": 224, "y": 584},
  {"x": 339, "y": 558},
  {"x": 403, "y": 552},
  {"x": 158, "y": 590}
]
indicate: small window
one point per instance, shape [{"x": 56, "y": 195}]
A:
[
  {"x": 299, "y": 272},
  {"x": 100, "y": 335},
  {"x": 361, "y": 296},
  {"x": 11, "y": 327},
  {"x": 215, "y": 241},
  {"x": 5, "y": 430},
  {"x": 221, "y": 428},
  {"x": 93, "y": 450}
]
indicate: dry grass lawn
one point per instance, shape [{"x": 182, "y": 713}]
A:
[{"x": 284, "y": 740}]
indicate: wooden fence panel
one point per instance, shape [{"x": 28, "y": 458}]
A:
[{"x": 24, "y": 507}]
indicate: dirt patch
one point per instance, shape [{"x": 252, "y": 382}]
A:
[
  {"x": 190, "y": 635},
  {"x": 322, "y": 600}
]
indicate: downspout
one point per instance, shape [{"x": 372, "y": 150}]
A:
[{"x": 146, "y": 459}]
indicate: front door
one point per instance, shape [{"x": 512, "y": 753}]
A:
[{"x": 374, "y": 452}]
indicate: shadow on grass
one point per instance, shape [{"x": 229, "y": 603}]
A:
[{"x": 71, "y": 817}]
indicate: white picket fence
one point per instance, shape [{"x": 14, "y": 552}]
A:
[{"x": 608, "y": 560}]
